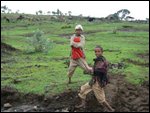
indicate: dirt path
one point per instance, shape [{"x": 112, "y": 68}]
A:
[{"x": 123, "y": 96}]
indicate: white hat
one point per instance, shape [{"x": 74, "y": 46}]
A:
[{"x": 79, "y": 27}]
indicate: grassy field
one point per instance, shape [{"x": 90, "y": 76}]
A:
[{"x": 47, "y": 73}]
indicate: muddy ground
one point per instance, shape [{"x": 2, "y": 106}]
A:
[{"x": 122, "y": 96}]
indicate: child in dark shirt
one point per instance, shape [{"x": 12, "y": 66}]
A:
[{"x": 98, "y": 81}]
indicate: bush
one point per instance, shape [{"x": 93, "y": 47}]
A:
[
  {"x": 114, "y": 31},
  {"x": 39, "y": 42}
]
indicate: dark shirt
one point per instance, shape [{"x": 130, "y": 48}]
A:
[{"x": 100, "y": 71}]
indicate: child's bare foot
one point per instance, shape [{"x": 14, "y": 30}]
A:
[
  {"x": 82, "y": 105},
  {"x": 107, "y": 107},
  {"x": 112, "y": 110},
  {"x": 108, "y": 110}
]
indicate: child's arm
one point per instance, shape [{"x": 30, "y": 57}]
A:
[{"x": 77, "y": 44}]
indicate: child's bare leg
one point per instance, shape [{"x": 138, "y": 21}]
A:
[
  {"x": 70, "y": 73},
  {"x": 69, "y": 80}
]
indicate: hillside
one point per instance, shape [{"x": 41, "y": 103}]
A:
[{"x": 126, "y": 47}]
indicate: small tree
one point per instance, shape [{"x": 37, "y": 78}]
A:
[
  {"x": 48, "y": 12},
  {"x": 36, "y": 12},
  {"x": 58, "y": 12},
  {"x": 40, "y": 12},
  {"x": 69, "y": 13},
  {"x": 4, "y": 9},
  {"x": 53, "y": 12},
  {"x": 80, "y": 16},
  {"x": 39, "y": 42}
]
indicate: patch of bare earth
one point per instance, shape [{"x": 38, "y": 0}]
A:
[
  {"x": 6, "y": 51},
  {"x": 122, "y": 96}
]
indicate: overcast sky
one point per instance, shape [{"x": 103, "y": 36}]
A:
[{"x": 138, "y": 9}]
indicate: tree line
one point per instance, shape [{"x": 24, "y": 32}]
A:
[{"x": 120, "y": 15}]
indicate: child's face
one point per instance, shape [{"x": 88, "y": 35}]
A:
[
  {"x": 78, "y": 31},
  {"x": 98, "y": 52}
]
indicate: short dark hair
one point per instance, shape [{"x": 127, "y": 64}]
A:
[{"x": 100, "y": 47}]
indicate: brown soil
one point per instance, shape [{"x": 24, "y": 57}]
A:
[
  {"x": 131, "y": 29},
  {"x": 68, "y": 35},
  {"x": 146, "y": 64},
  {"x": 122, "y": 96},
  {"x": 7, "y": 47},
  {"x": 6, "y": 50},
  {"x": 144, "y": 56},
  {"x": 28, "y": 35}
]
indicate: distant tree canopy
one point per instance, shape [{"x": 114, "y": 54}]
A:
[
  {"x": 120, "y": 15},
  {"x": 58, "y": 15},
  {"x": 39, "y": 12},
  {"x": 48, "y": 12},
  {"x": 5, "y": 9},
  {"x": 58, "y": 12}
]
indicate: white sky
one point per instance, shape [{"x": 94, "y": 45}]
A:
[{"x": 138, "y": 9}]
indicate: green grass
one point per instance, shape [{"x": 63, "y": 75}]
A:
[
  {"x": 42, "y": 73},
  {"x": 136, "y": 74}
]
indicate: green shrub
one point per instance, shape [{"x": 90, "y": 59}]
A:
[
  {"x": 39, "y": 42},
  {"x": 114, "y": 31}
]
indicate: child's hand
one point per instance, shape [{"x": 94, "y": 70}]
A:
[
  {"x": 91, "y": 70},
  {"x": 88, "y": 71}
]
